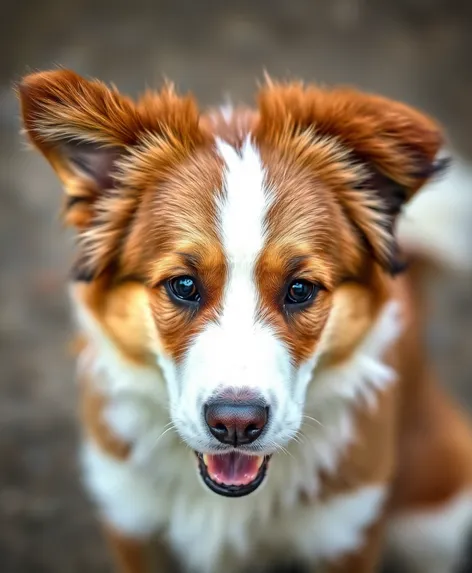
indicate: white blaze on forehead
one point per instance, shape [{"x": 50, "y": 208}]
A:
[
  {"x": 242, "y": 214},
  {"x": 244, "y": 206}
]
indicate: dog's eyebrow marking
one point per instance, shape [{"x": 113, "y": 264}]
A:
[
  {"x": 295, "y": 264},
  {"x": 192, "y": 260}
]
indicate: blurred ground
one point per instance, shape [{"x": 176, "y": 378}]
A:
[{"x": 417, "y": 50}]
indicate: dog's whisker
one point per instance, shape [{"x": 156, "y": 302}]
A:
[
  {"x": 296, "y": 437},
  {"x": 145, "y": 449},
  {"x": 280, "y": 448},
  {"x": 312, "y": 427},
  {"x": 313, "y": 419}
]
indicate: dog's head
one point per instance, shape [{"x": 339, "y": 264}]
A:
[{"x": 237, "y": 251}]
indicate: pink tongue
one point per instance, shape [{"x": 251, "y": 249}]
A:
[{"x": 233, "y": 468}]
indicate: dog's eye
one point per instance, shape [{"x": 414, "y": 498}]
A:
[
  {"x": 300, "y": 291},
  {"x": 184, "y": 288}
]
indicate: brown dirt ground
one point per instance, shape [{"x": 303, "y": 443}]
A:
[{"x": 417, "y": 50}]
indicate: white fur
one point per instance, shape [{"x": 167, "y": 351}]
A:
[
  {"x": 244, "y": 206},
  {"x": 433, "y": 540},
  {"x": 437, "y": 222},
  {"x": 331, "y": 528}
]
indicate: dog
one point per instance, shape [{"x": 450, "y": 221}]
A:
[{"x": 254, "y": 389}]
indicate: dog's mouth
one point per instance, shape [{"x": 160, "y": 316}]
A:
[{"x": 234, "y": 474}]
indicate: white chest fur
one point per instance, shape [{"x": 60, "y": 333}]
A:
[{"x": 203, "y": 528}]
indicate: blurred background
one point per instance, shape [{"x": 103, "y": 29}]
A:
[{"x": 417, "y": 50}]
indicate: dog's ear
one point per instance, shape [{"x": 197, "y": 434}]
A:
[
  {"x": 106, "y": 149},
  {"x": 85, "y": 129},
  {"x": 82, "y": 128},
  {"x": 383, "y": 152}
]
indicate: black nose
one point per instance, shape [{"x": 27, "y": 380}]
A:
[{"x": 236, "y": 423}]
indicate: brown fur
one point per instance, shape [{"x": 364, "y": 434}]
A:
[
  {"x": 134, "y": 556},
  {"x": 92, "y": 406},
  {"x": 341, "y": 164}
]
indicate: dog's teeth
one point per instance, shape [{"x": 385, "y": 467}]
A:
[
  {"x": 205, "y": 459},
  {"x": 260, "y": 461}
]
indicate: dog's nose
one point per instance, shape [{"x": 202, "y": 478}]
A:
[{"x": 235, "y": 422}]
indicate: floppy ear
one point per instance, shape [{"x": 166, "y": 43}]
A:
[
  {"x": 85, "y": 129},
  {"x": 384, "y": 152},
  {"x": 106, "y": 149},
  {"x": 82, "y": 128}
]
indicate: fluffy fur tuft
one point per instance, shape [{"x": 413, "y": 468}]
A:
[{"x": 437, "y": 223}]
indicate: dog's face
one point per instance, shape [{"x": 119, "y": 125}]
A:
[{"x": 237, "y": 253}]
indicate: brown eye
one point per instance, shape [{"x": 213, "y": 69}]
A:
[
  {"x": 300, "y": 292},
  {"x": 184, "y": 288}
]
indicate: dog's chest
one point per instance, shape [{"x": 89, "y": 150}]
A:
[{"x": 210, "y": 535}]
